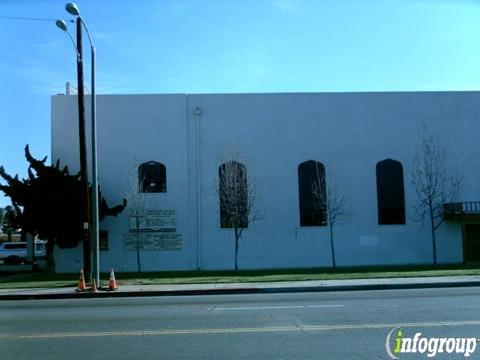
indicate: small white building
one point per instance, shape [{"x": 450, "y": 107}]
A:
[{"x": 181, "y": 138}]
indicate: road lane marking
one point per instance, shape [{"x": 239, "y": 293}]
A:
[
  {"x": 291, "y": 328},
  {"x": 274, "y": 307}
]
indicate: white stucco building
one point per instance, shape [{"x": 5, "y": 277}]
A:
[{"x": 188, "y": 134}]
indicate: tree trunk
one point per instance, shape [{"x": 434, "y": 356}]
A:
[
  {"x": 50, "y": 259},
  {"x": 236, "y": 249},
  {"x": 434, "y": 242},
  {"x": 332, "y": 247},
  {"x": 34, "y": 260},
  {"x": 139, "y": 266}
]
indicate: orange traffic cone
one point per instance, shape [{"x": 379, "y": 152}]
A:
[
  {"x": 112, "y": 284},
  {"x": 81, "y": 282},
  {"x": 94, "y": 286}
]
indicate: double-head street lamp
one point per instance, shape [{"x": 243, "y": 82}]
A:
[{"x": 92, "y": 251}]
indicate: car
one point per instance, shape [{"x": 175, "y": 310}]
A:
[
  {"x": 16, "y": 252},
  {"x": 13, "y": 252}
]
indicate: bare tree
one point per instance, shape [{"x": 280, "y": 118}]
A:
[
  {"x": 237, "y": 192},
  {"x": 435, "y": 183},
  {"x": 330, "y": 194},
  {"x": 137, "y": 205}
]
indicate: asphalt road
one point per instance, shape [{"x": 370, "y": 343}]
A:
[{"x": 335, "y": 325}]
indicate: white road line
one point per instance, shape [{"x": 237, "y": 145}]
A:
[
  {"x": 291, "y": 328},
  {"x": 274, "y": 307}
]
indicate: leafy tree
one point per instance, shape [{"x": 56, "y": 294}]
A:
[
  {"x": 2, "y": 212},
  {"x": 48, "y": 204},
  {"x": 9, "y": 221}
]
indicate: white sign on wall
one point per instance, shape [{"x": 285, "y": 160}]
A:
[
  {"x": 156, "y": 232},
  {"x": 153, "y": 241},
  {"x": 155, "y": 220}
]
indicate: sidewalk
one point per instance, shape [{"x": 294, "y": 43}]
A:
[{"x": 245, "y": 288}]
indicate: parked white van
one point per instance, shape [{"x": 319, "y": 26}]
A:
[{"x": 16, "y": 252}]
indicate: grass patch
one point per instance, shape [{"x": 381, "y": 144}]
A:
[{"x": 48, "y": 280}]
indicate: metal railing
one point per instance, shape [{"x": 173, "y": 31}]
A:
[{"x": 458, "y": 208}]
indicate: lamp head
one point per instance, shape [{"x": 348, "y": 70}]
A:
[
  {"x": 72, "y": 9},
  {"x": 61, "y": 24}
]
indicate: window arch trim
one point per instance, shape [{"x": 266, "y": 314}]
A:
[{"x": 152, "y": 177}]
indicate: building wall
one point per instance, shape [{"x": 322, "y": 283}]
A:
[{"x": 276, "y": 132}]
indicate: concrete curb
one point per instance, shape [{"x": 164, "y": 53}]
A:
[{"x": 239, "y": 290}]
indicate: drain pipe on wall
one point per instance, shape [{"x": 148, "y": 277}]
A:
[{"x": 198, "y": 114}]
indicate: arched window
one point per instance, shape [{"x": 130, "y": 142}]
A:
[
  {"x": 312, "y": 193},
  {"x": 390, "y": 192},
  {"x": 152, "y": 177},
  {"x": 233, "y": 195}
]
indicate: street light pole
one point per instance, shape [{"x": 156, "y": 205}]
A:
[
  {"x": 95, "y": 215},
  {"x": 85, "y": 206},
  {"x": 72, "y": 9}
]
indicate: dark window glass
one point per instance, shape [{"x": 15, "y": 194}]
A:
[
  {"x": 15, "y": 246},
  {"x": 390, "y": 192},
  {"x": 103, "y": 240},
  {"x": 152, "y": 177},
  {"x": 233, "y": 195},
  {"x": 311, "y": 194}
]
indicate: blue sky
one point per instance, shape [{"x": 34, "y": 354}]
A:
[{"x": 224, "y": 46}]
